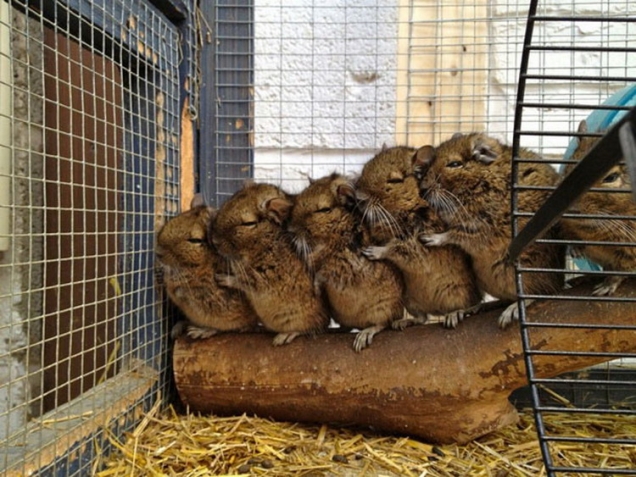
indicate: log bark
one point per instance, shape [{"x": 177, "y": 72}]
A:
[{"x": 436, "y": 384}]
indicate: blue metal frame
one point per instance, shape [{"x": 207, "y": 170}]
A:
[{"x": 227, "y": 94}]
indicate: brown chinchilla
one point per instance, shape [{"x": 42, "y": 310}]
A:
[
  {"x": 360, "y": 293},
  {"x": 437, "y": 280},
  {"x": 247, "y": 231},
  {"x": 468, "y": 181},
  {"x": 187, "y": 263},
  {"x": 600, "y": 223}
]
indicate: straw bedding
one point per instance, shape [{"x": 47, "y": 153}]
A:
[{"x": 166, "y": 443}]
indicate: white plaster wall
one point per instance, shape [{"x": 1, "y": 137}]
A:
[{"x": 325, "y": 76}]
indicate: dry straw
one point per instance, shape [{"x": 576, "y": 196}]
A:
[{"x": 168, "y": 444}]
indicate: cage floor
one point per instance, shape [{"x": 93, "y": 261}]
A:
[{"x": 167, "y": 443}]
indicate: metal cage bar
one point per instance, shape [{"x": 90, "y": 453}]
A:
[{"x": 589, "y": 392}]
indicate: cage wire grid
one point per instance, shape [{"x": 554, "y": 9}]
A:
[
  {"x": 576, "y": 56},
  {"x": 292, "y": 90},
  {"x": 90, "y": 99},
  {"x": 333, "y": 82},
  {"x": 302, "y": 89}
]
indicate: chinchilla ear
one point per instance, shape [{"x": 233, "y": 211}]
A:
[
  {"x": 278, "y": 209},
  {"x": 423, "y": 158},
  {"x": 484, "y": 153},
  {"x": 197, "y": 200},
  {"x": 210, "y": 214},
  {"x": 585, "y": 142},
  {"x": 346, "y": 194},
  {"x": 456, "y": 135}
]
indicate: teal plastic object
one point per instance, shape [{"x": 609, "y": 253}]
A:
[{"x": 601, "y": 120}]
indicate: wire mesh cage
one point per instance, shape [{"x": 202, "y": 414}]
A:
[
  {"x": 324, "y": 85},
  {"x": 576, "y": 81},
  {"x": 305, "y": 88},
  {"x": 90, "y": 119},
  {"x": 98, "y": 97}
]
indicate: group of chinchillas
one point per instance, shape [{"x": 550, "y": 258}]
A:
[{"x": 419, "y": 233}]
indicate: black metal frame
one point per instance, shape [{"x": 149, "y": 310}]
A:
[{"x": 593, "y": 391}]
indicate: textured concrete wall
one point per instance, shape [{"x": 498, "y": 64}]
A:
[
  {"x": 325, "y": 85},
  {"x": 20, "y": 268},
  {"x": 325, "y": 74}
]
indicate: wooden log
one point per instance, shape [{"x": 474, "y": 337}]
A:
[{"x": 429, "y": 382}]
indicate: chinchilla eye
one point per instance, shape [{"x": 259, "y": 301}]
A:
[
  {"x": 251, "y": 223},
  {"x": 613, "y": 177},
  {"x": 196, "y": 240},
  {"x": 395, "y": 180},
  {"x": 455, "y": 164},
  {"x": 324, "y": 210}
]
